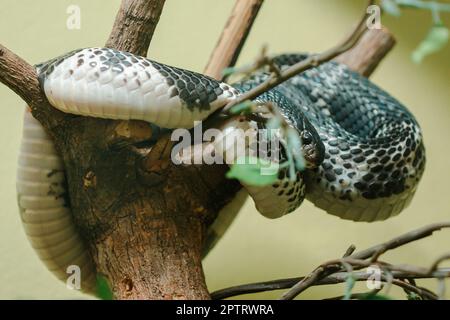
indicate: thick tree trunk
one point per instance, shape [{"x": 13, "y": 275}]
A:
[{"x": 143, "y": 217}]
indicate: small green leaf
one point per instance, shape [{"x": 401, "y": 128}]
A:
[
  {"x": 243, "y": 107},
  {"x": 102, "y": 288},
  {"x": 413, "y": 296},
  {"x": 375, "y": 296},
  {"x": 391, "y": 7},
  {"x": 253, "y": 171},
  {"x": 228, "y": 71},
  {"x": 435, "y": 40},
  {"x": 349, "y": 284}
]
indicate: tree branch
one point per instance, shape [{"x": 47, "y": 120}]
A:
[
  {"x": 331, "y": 272},
  {"x": 21, "y": 78},
  {"x": 339, "y": 277},
  {"x": 373, "y": 46},
  {"x": 401, "y": 240},
  {"x": 134, "y": 26},
  {"x": 308, "y": 63},
  {"x": 233, "y": 37},
  {"x": 358, "y": 258}
]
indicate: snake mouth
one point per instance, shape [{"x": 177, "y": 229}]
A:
[{"x": 312, "y": 155}]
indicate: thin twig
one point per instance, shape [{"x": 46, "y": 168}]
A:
[
  {"x": 373, "y": 253},
  {"x": 336, "y": 278},
  {"x": 331, "y": 272},
  {"x": 349, "y": 251},
  {"x": 308, "y": 63},
  {"x": 427, "y": 294},
  {"x": 401, "y": 240},
  {"x": 429, "y": 5},
  {"x": 438, "y": 261},
  {"x": 358, "y": 296},
  {"x": 307, "y": 282}
]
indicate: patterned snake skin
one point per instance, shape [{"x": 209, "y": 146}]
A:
[
  {"x": 374, "y": 153},
  {"x": 363, "y": 149}
]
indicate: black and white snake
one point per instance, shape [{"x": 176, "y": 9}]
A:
[{"x": 364, "y": 149}]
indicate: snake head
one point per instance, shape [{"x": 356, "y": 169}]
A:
[{"x": 312, "y": 146}]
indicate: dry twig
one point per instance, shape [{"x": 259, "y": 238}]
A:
[
  {"x": 308, "y": 63},
  {"x": 337, "y": 271}
]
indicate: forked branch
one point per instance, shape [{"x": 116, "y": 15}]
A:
[
  {"x": 308, "y": 63},
  {"x": 337, "y": 270}
]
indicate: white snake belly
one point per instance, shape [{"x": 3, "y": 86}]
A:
[{"x": 46, "y": 218}]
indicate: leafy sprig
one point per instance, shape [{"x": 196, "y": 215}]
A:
[
  {"x": 437, "y": 36},
  {"x": 250, "y": 170}
]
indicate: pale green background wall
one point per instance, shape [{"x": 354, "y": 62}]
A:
[{"x": 254, "y": 249}]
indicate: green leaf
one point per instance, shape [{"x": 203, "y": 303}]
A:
[
  {"x": 251, "y": 170},
  {"x": 375, "y": 296},
  {"x": 228, "y": 71},
  {"x": 243, "y": 107},
  {"x": 435, "y": 40},
  {"x": 413, "y": 296},
  {"x": 391, "y": 7},
  {"x": 349, "y": 284},
  {"x": 102, "y": 288}
]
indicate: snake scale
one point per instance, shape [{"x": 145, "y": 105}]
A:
[{"x": 363, "y": 149}]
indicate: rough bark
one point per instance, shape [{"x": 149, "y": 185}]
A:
[
  {"x": 135, "y": 25},
  {"x": 372, "y": 48},
  {"x": 20, "y": 77},
  {"x": 144, "y": 222}
]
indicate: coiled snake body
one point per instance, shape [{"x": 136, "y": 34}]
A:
[{"x": 364, "y": 149}]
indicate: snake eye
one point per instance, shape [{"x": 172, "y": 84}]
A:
[{"x": 307, "y": 137}]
